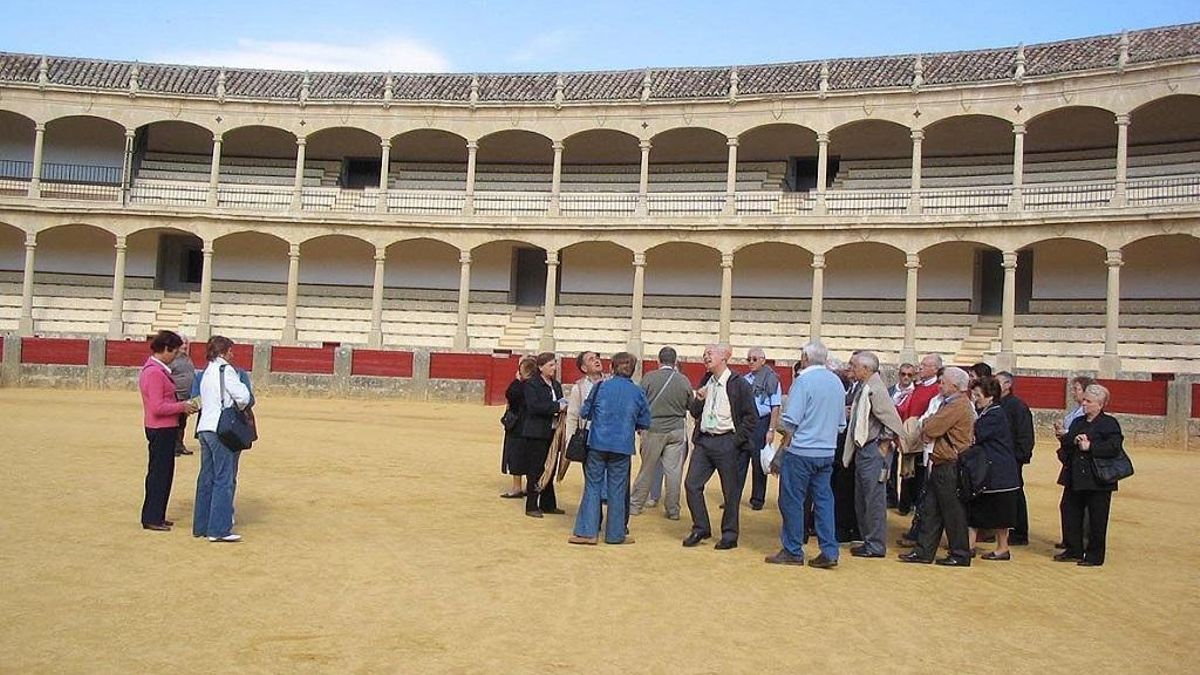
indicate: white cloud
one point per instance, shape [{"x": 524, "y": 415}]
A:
[
  {"x": 542, "y": 46},
  {"x": 394, "y": 54}
]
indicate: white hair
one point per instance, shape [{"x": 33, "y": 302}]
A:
[
  {"x": 867, "y": 359},
  {"x": 1097, "y": 391},
  {"x": 957, "y": 377},
  {"x": 936, "y": 358},
  {"x": 816, "y": 353},
  {"x": 756, "y": 351}
]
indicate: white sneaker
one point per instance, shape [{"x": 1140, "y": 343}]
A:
[
  {"x": 651, "y": 503},
  {"x": 227, "y": 538}
]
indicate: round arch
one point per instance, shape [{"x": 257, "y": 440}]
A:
[
  {"x": 1066, "y": 268},
  {"x": 683, "y": 268},
  {"x": 12, "y": 247},
  {"x": 772, "y": 269},
  {"x": 339, "y": 142},
  {"x": 865, "y": 269},
  {"x": 689, "y": 145},
  {"x": 259, "y": 141},
  {"x": 968, "y": 138},
  {"x": 601, "y": 146},
  {"x": 175, "y": 137},
  {"x": 250, "y": 256},
  {"x": 16, "y": 143},
  {"x": 75, "y": 248},
  {"x": 515, "y": 146},
  {"x": 1071, "y": 128},
  {"x": 337, "y": 260},
  {"x": 776, "y": 142},
  {"x": 83, "y": 148},
  {"x": 596, "y": 267},
  {"x": 1161, "y": 266},
  {"x": 422, "y": 263},
  {"x": 1159, "y": 132}
]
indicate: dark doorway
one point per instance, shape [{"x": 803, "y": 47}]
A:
[
  {"x": 180, "y": 263},
  {"x": 802, "y": 173},
  {"x": 360, "y": 173},
  {"x": 529, "y": 277},
  {"x": 990, "y": 300}
]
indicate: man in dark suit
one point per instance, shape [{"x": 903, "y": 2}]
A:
[
  {"x": 1020, "y": 422},
  {"x": 725, "y": 416}
]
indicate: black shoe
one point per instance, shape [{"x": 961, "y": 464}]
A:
[
  {"x": 534, "y": 513},
  {"x": 1060, "y": 544},
  {"x": 785, "y": 558},
  {"x": 912, "y": 557},
  {"x": 725, "y": 545},
  {"x": 953, "y": 561},
  {"x": 822, "y": 563},
  {"x": 905, "y": 542},
  {"x": 694, "y": 539},
  {"x": 862, "y": 552},
  {"x": 1018, "y": 541},
  {"x": 169, "y": 523},
  {"x": 554, "y": 512},
  {"x": 157, "y": 527},
  {"x": 903, "y": 511},
  {"x": 1067, "y": 557},
  {"x": 756, "y": 507},
  {"x": 1089, "y": 563}
]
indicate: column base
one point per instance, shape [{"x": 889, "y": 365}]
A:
[
  {"x": 469, "y": 205},
  {"x": 461, "y": 341},
  {"x": 1110, "y": 365},
  {"x": 1006, "y": 361},
  {"x": 203, "y": 332},
  {"x": 546, "y": 344},
  {"x": 116, "y": 329},
  {"x": 35, "y": 189},
  {"x": 730, "y": 207},
  {"x": 289, "y": 335},
  {"x": 25, "y": 326},
  {"x": 375, "y": 340},
  {"x": 635, "y": 347}
]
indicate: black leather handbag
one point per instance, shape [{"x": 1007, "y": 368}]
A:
[
  {"x": 577, "y": 445},
  {"x": 1109, "y": 470},
  {"x": 233, "y": 426}
]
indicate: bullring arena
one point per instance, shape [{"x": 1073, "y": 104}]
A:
[{"x": 387, "y": 244}]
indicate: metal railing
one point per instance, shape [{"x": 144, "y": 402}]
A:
[
  {"x": 15, "y": 169},
  {"x": 337, "y": 199},
  {"x": 774, "y": 203},
  {"x": 81, "y": 191},
  {"x": 598, "y": 203},
  {"x": 966, "y": 200},
  {"x": 173, "y": 193},
  {"x": 1066, "y": 196},
  {"x": 429, "y": 202},
  {"x": 1156, "y": 191},
  {"x": 685, "y": 203},
  {"x": 512, "y": 203},
  {"x": 867, "y": 201},
  {"x": 254, "y": 197}
]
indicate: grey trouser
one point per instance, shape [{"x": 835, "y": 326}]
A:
[
  {"x": 669, "y": 447},
  {"x": 870, "y": 496}
]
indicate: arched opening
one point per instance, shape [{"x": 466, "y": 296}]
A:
[
  {"x": 514, "y": 160},
  {"x": 262, "y": 156},
  {"x": 428, "y": 159},
  {"x": 601, "y": 160},
  {"x": 172, "y": 150},
  {"x": 351, "y": 156},
  {"x": 16, "y": 153},
  {"x": 425, "y": 264},
  {"x": 509, "y": 271},
  {"x": 83, "y": 158},
  {"x": 249, "y": 291},
  {"x": 683, "y": 270},
  {"x": 688, "y": 159},
  {"x": 870, "y": 155},
  {"x": 1162, "y": 267},
  {"x": 961, "y": 278},
  {"x": 777, "y": 157},
  {"x": 1164, "y": 143},
  {"x": 12, "y": 250},
  {"x": 1063, "y": 270},
  {"x": 337, "y": 260},
  {"x": 772, "y": 270},
  {"x": 967, "y": 151},
  {"x": 1071, "y": 144},
  {"x": 867, "y": 271},
  {"x": 73, "y": 277},
  {"x": 596, "y": 299}
]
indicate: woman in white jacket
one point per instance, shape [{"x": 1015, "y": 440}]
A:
[{"x": 215, "y": 483}]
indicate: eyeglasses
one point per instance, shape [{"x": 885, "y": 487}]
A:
[{"x": 907, "y": 373}]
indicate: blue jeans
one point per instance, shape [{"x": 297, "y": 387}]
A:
[
  {"x": 801, "y": 477},
  {"x": 607, "y": 471},
  {"x": 215, "y": 485}
]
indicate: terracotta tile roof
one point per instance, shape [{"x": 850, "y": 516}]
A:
[{"x": 984, "y": 65}]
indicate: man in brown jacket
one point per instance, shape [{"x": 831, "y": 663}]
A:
[{"x": 950, "y": 429}]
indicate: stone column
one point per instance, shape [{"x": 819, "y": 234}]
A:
[
  {"x": 298, "y": 181},
  {"x": 214, "y": 172},
  {"x": 726, "y": 296},
  {"x": 385, "y": 167},
  {"x": 293, "y": 295},
  {"x": 556, "y": 178},
  {"x": 469, "y": 203},
  {"x": 1017, "y": 201},
  {"x": 914, "y": 202},
  {"x": 731, "y": 176},
  {"x": 203, "y": 325},
  {"x": 822, "y": 171},
  {"x": 547, "y": 342},
  {"x": 127, "y": 165},
  {"x": 461, "y": 340},
  {"x": 818, "y": 296},
  {"x": 909, "y": 353},
  {"x": 643, "y": 203},
  {"x": 1006, "y": 359},
  {"x": 35, "y": 172},
  {"x": 639, "y": 292},
  {"x": 25, "y": 323},
  {"x": 1118, "y": 198},
  {"x": 375, "y": 340},
  {"x": 116, "y": 324},
  {"x": 1110, "y": 363}
]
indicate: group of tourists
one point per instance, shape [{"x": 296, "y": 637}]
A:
[
  {"x": 946, "y": 444},
  {"x": 171, "y": 391}
]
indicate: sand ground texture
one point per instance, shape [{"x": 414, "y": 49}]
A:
[{"x": 375, "y": 542}]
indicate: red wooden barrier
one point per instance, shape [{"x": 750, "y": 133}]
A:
[
  {"x": 381, "y": 363},
  {"x": 128, "y": 353},
  {"x": 1136, "y": 397},
  {"x": 55, "y": 351},
  {"x": 444, "y": 366},
  {"x": 242, "y": 356},
  {"x": 1048, "y": 393},
  {"x": 570, "y": 373},
  {"x": 501, "y": 372},
  {"x": 1196, "y": 401},
  {"x": 309, "y": 360}
]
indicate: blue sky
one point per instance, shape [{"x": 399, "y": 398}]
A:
[{"x": 478, "y": 35}]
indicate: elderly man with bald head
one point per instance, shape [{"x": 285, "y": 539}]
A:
[
  {"x": 725, "y": 416},
  {"x": 950, "y": 430}
]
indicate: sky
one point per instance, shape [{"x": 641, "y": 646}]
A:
[{"x": 541, "y": 35}]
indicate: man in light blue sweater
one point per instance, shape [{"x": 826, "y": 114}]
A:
[{"x": 814, "y": 414}]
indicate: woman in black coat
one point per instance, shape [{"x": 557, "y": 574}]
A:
[
  {"x": 1095, "y": 434},
  {"x": 996, "y": 507},
  {"x": 543, "y": 402},
  {"x": 511, "y": 458}
]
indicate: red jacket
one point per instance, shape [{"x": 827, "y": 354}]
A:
[
  {"x": 162, "y": 411},
  {"x": 918, "y": 401}
]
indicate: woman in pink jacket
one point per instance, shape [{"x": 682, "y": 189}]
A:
[{"x": 161, "y": 418}]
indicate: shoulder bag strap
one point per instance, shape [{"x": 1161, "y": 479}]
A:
[
  {"x": 221, "y": 376},
  {"x": 663, "y": 388},
  {"x": 591, "y": 395}
]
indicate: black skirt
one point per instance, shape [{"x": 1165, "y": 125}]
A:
[
  {"x": 994, "y": 510},
  {"x": 511, "y": 460}
]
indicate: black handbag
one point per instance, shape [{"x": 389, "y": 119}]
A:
[
  {"x": 1109, "y": 470},
  {"x": 233, "y": 426},
  {"x": 577, "y": 445},
  {"x": 973, "y": 468},
  {"x": 509, "y": 419}
]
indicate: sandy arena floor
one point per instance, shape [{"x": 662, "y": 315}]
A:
[{"x": 375, "y": 542}]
